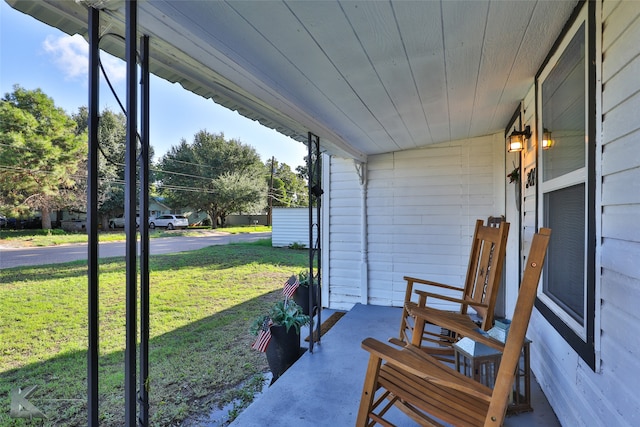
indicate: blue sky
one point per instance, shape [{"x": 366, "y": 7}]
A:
[{"x": 35, "y": 55}]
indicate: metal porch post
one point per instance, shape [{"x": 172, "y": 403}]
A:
[
  {"x": 131, "y": 18},
  {"x": 315, "y": 192},
  {"x": 92, "y": 219},
  {"x": 143, "y": 391}
]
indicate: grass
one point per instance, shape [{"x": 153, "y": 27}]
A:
[
  {"x": 202, "y": 304},
  {"x": 24, "y": 238}
]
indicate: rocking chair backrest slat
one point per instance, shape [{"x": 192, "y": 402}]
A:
[{"x": 487, "y": 273}]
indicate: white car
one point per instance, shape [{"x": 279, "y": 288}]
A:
[
  {"x": 169, "y": 221},
  {"x": 118, "y": 222}
]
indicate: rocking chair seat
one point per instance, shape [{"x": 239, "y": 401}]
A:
[{"x": 414, "y": 381}]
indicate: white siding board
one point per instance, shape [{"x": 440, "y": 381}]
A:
[
  {"x": 622, "y": 120},
  {"x": 346, "y": 231},
  {"x": 622, "y": 85},
  {"x": 348, "y": 285},
  {"x": 621, "y": 292},
  {"x": 612, "y": 318},
  {"x": 591, "y": 386},
  {"x": 414, "y": 192},
  {"x": 617, "y": 380},
  {"x": 620, "y": 32},
  {"x": 621, "y": 222},
  {"x": 343, "y": 216},
  {"x": 621, "y": 188},
  {"x": 381, "y": 273},
  {"x": 608, "y": 7},
  {"x": 622, "y": 256},
  {"x": 621, "y": 154},
  {"x": 347, "y": 255},
  {"x": 425, "y": 250},
  {"x": 346, "y": 205}
]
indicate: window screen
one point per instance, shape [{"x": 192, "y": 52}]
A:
[{"x": 564, "y": 274}]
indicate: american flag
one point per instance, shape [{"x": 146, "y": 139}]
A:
[
  {"x": 264, "y": 336},
  {"x": 290, "y": 286}
]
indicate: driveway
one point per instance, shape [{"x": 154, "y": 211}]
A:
[{"x": 17, "y": 257}]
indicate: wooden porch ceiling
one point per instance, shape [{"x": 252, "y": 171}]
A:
[{"x": 368, "y": 77}]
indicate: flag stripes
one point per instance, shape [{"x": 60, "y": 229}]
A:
[
  {"x": 290, "y": 286},
  {"x": 264, "y": 336}
]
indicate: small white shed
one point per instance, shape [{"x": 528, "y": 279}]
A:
[{"x": 291, "y": 226}]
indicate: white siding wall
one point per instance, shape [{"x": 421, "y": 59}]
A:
[
  {"x": 421, "y": 210},
  {"x": 345, "y": 236},
  {"x": 609, "y": 396}
]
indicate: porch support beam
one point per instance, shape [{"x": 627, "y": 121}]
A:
[
  {"x": 314, "y": 162},
  {"x": 361, "y": 168},
  {"x": 131, "y": 18},
  {"x": 143, "y": 392},
  {"x": 92, "y": 218}
]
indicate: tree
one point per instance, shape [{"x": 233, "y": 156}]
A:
[
  {"x": 112, "y": 136},
  {"x": 40, "y": 156},
  {"x": 288, "y": 189},
  {"x": 194, "y": 174},
  {"x": 112, "y": 139},
  {"x": 237, "y": 192}
]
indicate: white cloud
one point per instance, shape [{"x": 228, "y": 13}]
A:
[
  {"x": 71, "y": 55},
  {"x": 114, "y": 67}
]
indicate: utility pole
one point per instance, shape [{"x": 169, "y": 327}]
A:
[{"x": 271, "y": 193}]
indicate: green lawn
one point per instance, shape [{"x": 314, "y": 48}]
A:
[
  {"x": 202, "y": 304},
  {"x": 59, "y": 237}
]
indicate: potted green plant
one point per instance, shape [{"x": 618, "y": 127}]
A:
[
  {"x": 284, "y": 320},
  {"x": 301, "y": 296}
]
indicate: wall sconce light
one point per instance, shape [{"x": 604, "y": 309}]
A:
[
  {"x": 547, "y": 142},
  {"x": 517, "y": 139}
]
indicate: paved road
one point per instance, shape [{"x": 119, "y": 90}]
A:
[{"x": 17, "y": 257}]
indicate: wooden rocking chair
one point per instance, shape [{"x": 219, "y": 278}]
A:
[
  {"x": 431, "y": 392},
  {"x": 480, "y": 292}
]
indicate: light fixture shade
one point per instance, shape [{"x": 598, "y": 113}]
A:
[
  {"x": 517, "y": 139},
  {"x": 547, "y": 141},
  {"x": 516, "y": 143}
]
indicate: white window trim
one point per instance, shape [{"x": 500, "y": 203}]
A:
[
  {"x": 598, "y": 183},
  {"x": 579, "y": 176}
]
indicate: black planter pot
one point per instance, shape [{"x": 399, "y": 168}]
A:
[
  {"x": 301, "y": 297},
  {"x": 283, "y": 350}
]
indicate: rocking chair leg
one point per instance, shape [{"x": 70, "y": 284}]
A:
[
  {"x": 368, "y": 391},
  {"x": 418, "y": 328}
]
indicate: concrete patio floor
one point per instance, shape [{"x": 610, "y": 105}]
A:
[{"x": 323, "y": 388}]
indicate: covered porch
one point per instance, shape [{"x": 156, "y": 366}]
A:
[
  {"x": 412, "y": 103},
  {"x": 323, "y": 388}
]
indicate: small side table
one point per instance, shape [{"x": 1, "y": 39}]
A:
[
  {"x": 477, "y": 361},
  {"x": 481, "y": 363}
]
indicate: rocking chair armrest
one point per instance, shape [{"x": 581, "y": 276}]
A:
[
  {"x": 451, "y": 299},
  {"x": 431, "y": 283},
  {"x": 416, "y": 362},
  {"x": 455, "y": 322},
  {"x": 482, "y": 337},
  {"x": 397, "y": 342}
]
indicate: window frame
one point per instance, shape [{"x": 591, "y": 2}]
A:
[{"x": 579, "y": 336}]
